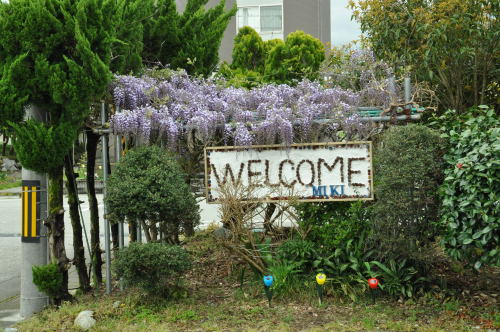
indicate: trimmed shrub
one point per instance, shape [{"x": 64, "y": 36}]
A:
[
  {"x": 408, "y": 173},
  {"x": 157, "y": 268},
  {"x": 48, "y": 279},
  {"x": 148, "y": 184}
]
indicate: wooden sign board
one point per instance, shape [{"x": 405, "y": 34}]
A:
[{"x": 315, "y": 172}]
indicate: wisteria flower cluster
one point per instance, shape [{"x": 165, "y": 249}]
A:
[
  {"x": 359, "y": 70},
  {"x": 272, "y": 114}
]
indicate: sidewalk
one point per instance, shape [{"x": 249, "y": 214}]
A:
[{"x": 8, "y": 318}]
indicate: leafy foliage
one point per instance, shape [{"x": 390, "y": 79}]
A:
[
  {"x": 332, "y": 224},
  {"x": 399, "y": 279},
  {"x": 470, "y": 211},
  {"x": 157, "y": 268},
  {"x": 408, "y": 172},
  {"x": 40, "y": 147},
  {"x": 48, "y": 279},
  {"x": 301, "y": 252},
  {"x": 149, "y": 185},
  {"x": 299, "y": 57},
  {"x": 450, "y": 43}
]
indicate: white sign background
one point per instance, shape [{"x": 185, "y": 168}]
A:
[{"x": 307, "y": 172}]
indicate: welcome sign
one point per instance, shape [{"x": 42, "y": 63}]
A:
[{"x": 307, "y": 172}]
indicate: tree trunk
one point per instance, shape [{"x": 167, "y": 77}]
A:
[
  {"x": 146, "y": 229},
  {"x": 79, "y": 250},
  {"x": 4, "y": 145},
  {"x": 95, "y": 247},
  {"x": 132, "y": 230},
  {"x": 268, "y": 227},
  {"x": 114, "y": 226},
  {"x": 55, "y": 225}
]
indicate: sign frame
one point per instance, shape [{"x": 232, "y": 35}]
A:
[{"x": 369, "y": 144}]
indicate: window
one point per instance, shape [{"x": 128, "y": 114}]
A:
[
  {"x": 266, "y": 20},
  {"x": 270, "y": 18},
  {"x": 249, "y": 16}
]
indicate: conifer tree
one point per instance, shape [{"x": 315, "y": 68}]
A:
[
  {"x": 249, "y": 51},
  {"x": 55, "y": 55},
  {"x": 188, "y": 40}
]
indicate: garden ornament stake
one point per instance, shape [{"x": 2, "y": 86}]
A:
[
  {"x": 320, "y": 281},
  {"x": 373, "y": 283},
  {"x": 268, "y": 282}
]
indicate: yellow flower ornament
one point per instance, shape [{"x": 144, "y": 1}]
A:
[{"x": 320, "y": 278}]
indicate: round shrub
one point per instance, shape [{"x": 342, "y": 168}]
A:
[
  {"x": 408, "y": 172},
  {"x": 157, "y": 268},
  {"x": 148, "y": 184}
]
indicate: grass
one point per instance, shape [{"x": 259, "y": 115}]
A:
[
  {"x": 217, "y": 303},
  {"x": 199, "y": 313},
  {"x": 8, "y": 181}
]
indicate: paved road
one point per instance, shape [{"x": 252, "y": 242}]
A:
[
  {"x": 10, "y": 212},
  {"x": 10, "y": 244}
]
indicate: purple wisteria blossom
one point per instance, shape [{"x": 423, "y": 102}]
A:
[{"x": 269, "y": 114}]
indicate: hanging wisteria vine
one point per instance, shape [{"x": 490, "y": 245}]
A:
[{"x": 173, "y": 106}]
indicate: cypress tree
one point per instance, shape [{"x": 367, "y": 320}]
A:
[
  {"x": 188, "y": 40},
  {"x": 54, "y": 54},
  {"x": 249, "y": 51}
]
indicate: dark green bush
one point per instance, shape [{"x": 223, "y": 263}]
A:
[
  {"x": 408, "y": 172},
  {"x": 470, "y": 212},
  {"x": 48, "y": 279},
  {"x": 148, "y": 184},
  {"x": 157, "y": 268}
]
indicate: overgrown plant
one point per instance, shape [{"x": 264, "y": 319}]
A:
[
  {"x": 253, "y": 229},
  {"x": 398, "y": 279},
  {"x": 332, "y": 224}
]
